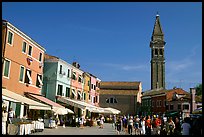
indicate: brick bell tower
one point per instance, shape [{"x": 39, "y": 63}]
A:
[{"x": 157, "y": 56}]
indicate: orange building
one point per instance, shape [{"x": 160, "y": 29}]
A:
[{"x": 22, "y": 61}]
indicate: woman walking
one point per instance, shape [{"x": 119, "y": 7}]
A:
[
  {"x": 143, "y": 126},
  {"x": 130, "y": 125}
]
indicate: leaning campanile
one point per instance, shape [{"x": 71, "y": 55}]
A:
[{"x": 157, "y": 56}]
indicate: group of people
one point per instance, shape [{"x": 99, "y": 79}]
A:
[
  {"x": 152, "y": 125},
  {"x": 7, "y": 118}
]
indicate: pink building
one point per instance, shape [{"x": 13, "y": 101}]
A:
[{"x": 94, "y": 94}]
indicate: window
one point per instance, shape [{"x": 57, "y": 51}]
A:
[
  {"x": 84, "y": 96},
  {"x": 157, "y": 103},
  {"x": 115, "y": 101},
  {"x": 171, "y": 107},
  {"x": 73, "y": 93},
  {"x": 28, "y": 78},
  {"x": 24, "y": 47},
  {"x": 39, "y": 81},
  {"x": 89, "y": 97},
  {"x": 30, "y": 50},
  {"x": 167, "y": 107},
  {"x": 156, "y": 51},
  {"x": 94, "y": 87},
  {"x": 186, "y": 106},
  {"x": 89, "y": 83},
  {"x": 6, "y": 68},
  {"x": 59, "y": 90},
  {"x": 60, "y": 69},
  {"x": 10, "y": 38},
  {"x": 111, "y": 100},
  {"x": 67, "y": 92},
  {"x": 21, "y": 73},
  {"x": 152, "y": 103},
  {"x": 40, "y": 57},
  {"x": 179, "y": 106},
  {"x": 160, "y": 51},
  {"x": 160, "y": 103},
  {"x": 96, "y": 99},
  {"x": 79, "y": 96},
  {"x": 80, "y": 79},
  {"x": 74, "y": 75},
  {"x": 68, "y": 71}
]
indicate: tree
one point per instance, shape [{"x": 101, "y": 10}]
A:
[{"x": 198, "y": 89}]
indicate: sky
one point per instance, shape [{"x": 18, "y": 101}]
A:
[{"x": 111, "y": 39}]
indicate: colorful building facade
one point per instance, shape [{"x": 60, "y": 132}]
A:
[{"x": 22, "y": 64}]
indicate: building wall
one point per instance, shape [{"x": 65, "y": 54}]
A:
[
  {"x": 20, "y": 59},
  {"x": 125, "y": 103},
  {"x": 75, "y": 84},
  {"x": 92, "y": 91},
  {"x": 158, "y": 107},
  {"x": 52, "y": 78},
  {"x": 87, "y": 89}
]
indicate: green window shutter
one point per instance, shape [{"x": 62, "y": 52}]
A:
[
  {"x": 84, "y": 96},
  {"x": 10, "y": 37},
  {"x": 6, "y": 68},
  {"x": 24, "y": 47},
  {"x": 21, "y": 73}
]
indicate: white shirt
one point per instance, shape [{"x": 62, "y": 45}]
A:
[{"x": 185, "y": 128}]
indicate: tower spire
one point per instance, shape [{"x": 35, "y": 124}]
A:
[{"x": 157, "y": 27}]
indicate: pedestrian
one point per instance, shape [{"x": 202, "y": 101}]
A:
[
  {"x": 148, "y": 123},
  {"x": 11, "y": 115},
  {"x": 81, "y": 122},
  {"x": 143, "y": 126},
  {"x": 101, "y": 121},
  {"x": 4, "y": 120},
  {"x": 177, "y": 130},
  {"x": 118, "y": 125},
  {"x": 157, "y": 125},
  {"x": 114, "y": 121},
  {"x": 185, "y": 127},
  {"x": 124, "y": 123},
  {"x": 136, "y": 125},
  {"x": 130, "y": 125},
  {"x": 170, "y": 126}
]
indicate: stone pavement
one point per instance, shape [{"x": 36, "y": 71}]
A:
[{"x": 107, "y": 130}]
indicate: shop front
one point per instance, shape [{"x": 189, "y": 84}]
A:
[{"x": 27, "y": 113}]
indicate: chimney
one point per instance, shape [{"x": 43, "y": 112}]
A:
[
  {"x": 75, "y": 64},
  {"x": 193, "y": 102}
]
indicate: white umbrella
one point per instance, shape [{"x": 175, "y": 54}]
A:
[
  {"x": 62, "y": 111},
  {"x": 111, "y": 110}
]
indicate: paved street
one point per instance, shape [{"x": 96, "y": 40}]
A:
[{"x": 107, "y": 130}]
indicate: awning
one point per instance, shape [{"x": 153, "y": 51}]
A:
[
  {"x": 32, "y": 104},
  {"x": 76, "y": 103},
  {"x": 9, "y": 99},
  {"x": 46, "y": 100},
  {"x": 57, "y": 108}
]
